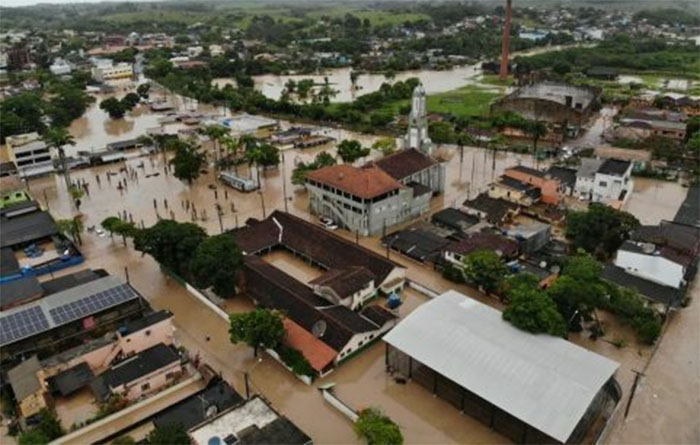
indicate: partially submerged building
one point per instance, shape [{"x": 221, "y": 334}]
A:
[
  {"x": 321, "y": 320},
  {"x": 529, "y": 388},
  {"x": 251, "y": 423},
  {"x": 551, "y": 102}
]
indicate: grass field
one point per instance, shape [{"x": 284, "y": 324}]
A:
[{"x": 468, "y": 101}]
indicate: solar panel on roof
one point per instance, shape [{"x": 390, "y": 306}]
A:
[
  {"x": 94, "y": 303},
  {"x": 22, "y": 324}
]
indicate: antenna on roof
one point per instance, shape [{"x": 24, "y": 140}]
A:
[{"x": 319, "y": 328}]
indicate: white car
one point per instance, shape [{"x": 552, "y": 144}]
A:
[{"x": 328, "y": 223}]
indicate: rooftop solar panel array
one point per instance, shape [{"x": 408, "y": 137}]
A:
[
  {"x": 92, "y": 304},
  {"x": 22, "y": 324},
  {"x": 63, "y": 307}
]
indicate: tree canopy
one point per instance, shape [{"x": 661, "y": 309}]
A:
[
  {"x": 600, "y": 230},
  {"x": 258, "y": 328},
  {"x": 485, "y": 268},
  {"x": 351, "y": 150},
  {"x": 187, "y": 163},
  {"x": 215, "y": 263},
  {"x": 377, "y": 429},
  {"x": 534, "y": 311},
  {"x": 171, "y": 243}
]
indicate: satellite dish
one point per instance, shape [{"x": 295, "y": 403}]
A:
[
  {"x": 211, "y": 411},
  {"x": 319, "y": 328},
  {"x": 214, "y": 440}
]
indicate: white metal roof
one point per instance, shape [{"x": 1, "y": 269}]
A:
[{"x": 547, "y": 382}]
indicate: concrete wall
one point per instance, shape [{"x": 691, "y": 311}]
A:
[{"x": 499, "y": 192}]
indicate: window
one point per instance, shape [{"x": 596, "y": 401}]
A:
[
  {"x": 603, "y": 183},
  {"x": 169, "y": 376},
  {"x": 145, "y": 387},
  {"x": 148, "y": 332},
  {"x": 360, "y": 344}
]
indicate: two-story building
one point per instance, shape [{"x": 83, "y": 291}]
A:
[
  {"x": 514, "y": 191},
  {"x": 550, "y": 187},
  {"x": 365, "y": 200},
  {"x": 604, "y": 180},
  {"x": 30, "y": 154}
]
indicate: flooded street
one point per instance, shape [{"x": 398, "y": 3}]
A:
[
  {"x": 654, "y": 200},
  {"x": 670, "y": 385}
]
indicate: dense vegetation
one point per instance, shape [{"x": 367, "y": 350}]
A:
[
  {"x": 626, "y": 53},
  {"x": 57, "y": 102},
  {"x": 377, "y": 429},
  {"x": 600, "y": 230}
]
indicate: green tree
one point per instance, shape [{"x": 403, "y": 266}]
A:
[
  {"x": 32, "y": 437},
  {"x": 110, "y": 224},
  {"x": 299, "y": 173},
  {"x": 576, "y": 300},
  {"x": 441, "y": 132},
  {"x": 72, "y": 227},
  {"x": 351, "y": 150},
  {"x": 171, "y": 243},
  {"x": 485, "y": 268},
  {"x": 534, "y": 311},
  {"x": 114, "y": 107},
  {"x": 57, "y": 138},
  {"x": 536, "y": 130},
  {"x": 216, "y": 263},
  {"x": 600, "y": 230},
  {"x": 258, "y": 328},
  {"x": 187, "y": 163},
  {"x": 76, "y": 194},
  {"x": 143, "y": 90},
  {"x": 377, "y": 429},
  {"x": 131, "y": 100},
  {"x": 170, "y": 434},
  {"x": 48, "y": 429},
  {"x": 125, "y": 229},
  {"x": 216, "y": 134},
  {"x": 386, "y": 146}
]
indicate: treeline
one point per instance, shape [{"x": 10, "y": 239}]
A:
[
  {"x": 670, "y": 16},
  {"x": 622, "y": 52},
  {"x": 57, "y": 103}
]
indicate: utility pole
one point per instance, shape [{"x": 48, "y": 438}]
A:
[
  {"x": 247, "y": 386},
  {"x": 284, "y": 185}
]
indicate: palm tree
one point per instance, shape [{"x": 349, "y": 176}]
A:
[
  {"x": 58, "y": 137},
  {"x": 216, "y": 133}
]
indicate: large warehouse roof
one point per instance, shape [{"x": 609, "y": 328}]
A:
[{"x": 546, "y": 382}]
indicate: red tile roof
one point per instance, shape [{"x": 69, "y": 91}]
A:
[
  {"x": 364, "y": 182},
  {"x": 316, "y": 352},
  {"x": 405, "y": 163}
]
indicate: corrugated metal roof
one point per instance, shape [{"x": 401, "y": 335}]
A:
[{"x": 547, "y": 382}]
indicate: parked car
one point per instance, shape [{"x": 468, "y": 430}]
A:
[{"x": 328, "y": 223}]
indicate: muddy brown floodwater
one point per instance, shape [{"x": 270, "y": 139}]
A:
[{"x": 670, "y": 385}]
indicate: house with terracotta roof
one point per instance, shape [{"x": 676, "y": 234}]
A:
[
  {"x": 550, "y": 188},
  {"x": 327, "y": 319},
  {"x": 365, "y": 200}
]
